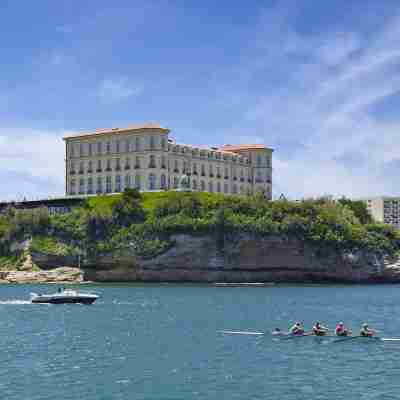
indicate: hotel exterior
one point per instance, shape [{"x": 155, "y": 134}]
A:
[
  {"x": 146, "y": 158},
  {"x": 385, "y": 209}
]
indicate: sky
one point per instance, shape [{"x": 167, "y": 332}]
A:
[{"x": 317, "y": 81}]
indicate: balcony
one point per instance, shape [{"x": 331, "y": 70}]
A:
[
  {"x": 108, "y": 169},
  {"x": 163, "y": 167},
  {"x": 211, "y": 175},
  {"x": 203, "y": 174},
  {"x": 176, "y": 171},
  {"x": 137, "y": 166},
  {"x": 235, "y": 178},
  {"x": 99, "y": 170},
  {"x": 81, "y": 172},
  {"x": 241, "y": 179},
  {"x": 195, "y": 173},
  {"x": 89, "y": 171},
  {"x": 127, "y": 167},
  {"x": 259, "y": 180},
  {"x": 72, "y": 172},
  {"x": 218, "y": 176},
  {"x": 152, "y": 166},
  {"x": 226, "y": 177},
  {"x": 118, "y": 168}
]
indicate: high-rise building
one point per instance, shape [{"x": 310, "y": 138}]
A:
[{"x": 385, "y": 209}]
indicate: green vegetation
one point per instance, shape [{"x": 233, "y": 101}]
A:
[{"x": 146, "y": 222}]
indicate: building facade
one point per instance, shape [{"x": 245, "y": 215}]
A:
[
  {"x": 385, "y": 209},
  {"x": 146, "y": 158}
]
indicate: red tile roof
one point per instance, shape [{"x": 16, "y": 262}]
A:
[
  {"x": 103, "y": 131},
  {"x": 238, "y": 147}
]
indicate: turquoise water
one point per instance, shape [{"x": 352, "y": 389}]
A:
[{"x": 161, "y": 342}]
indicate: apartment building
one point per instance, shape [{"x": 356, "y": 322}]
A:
[
  {"x": 146, "y": 158},
  {"x": 385, "y": 209}
]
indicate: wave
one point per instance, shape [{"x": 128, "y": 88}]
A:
[{"x": 15, "y": 302}]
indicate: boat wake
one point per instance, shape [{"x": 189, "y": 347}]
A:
[{"x": 15, "y": 302}]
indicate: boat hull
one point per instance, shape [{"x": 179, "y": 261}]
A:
[{"x": 65, "y": 300}]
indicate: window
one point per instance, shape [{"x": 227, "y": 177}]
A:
[
  {"x": 81, "y": 167},
  {"x": 108, "y": 184},
  {"x": 117, "y": 146},
  {"x": 219, "y": 187},
  {"x": 108, "y": 147},
  {"x": 176, "y": 170},
  {"x": 194, "y": 185},
  {"x": 90, "y": 167},
  {"x": 194, "y": 169},
  {"x": 99, "y": 185},
  {"x": 163, "y": 182},
  {"x": 108, "y": 165},
  {"x": 267, "y": 162},
  {"x": 127, "y": 146},
  {"x": 258, "y": 178},
  {"x": 234, "y": 188},
  {"x": 72, "y": 169},
  {"x": 127, "y": 181},
  {"x": 138, "y": 144},
  {"x": 185, "y": 168},
  {"x": 203, "y": 170},
  {"x": 98, "y": 166},
  {"x": 90, "y": 149},
  {"x": 258, "y": 160},
  {"x": 211, "y": 171},
  {"x": 152, "y": 182},
  {"x": 152, "y": 163},
  {"x": 210, "y": 187},
  {"x": 72, "y": 187},
  {"x": 81, "y": 150},
  {"x": 137, "y": 163},
  {"x": 226, "y": 173},
  {"x": 117, "y": 183},
  {"x": 163, "y": 162},
  {"x": 127, "y": 163},
  {"x": 218, "y": 172},
  {"x": 202, "y": 186},
  {"x": 81, "y": 186},
  {"x": 226, "y": 188},
  {"x": 175, "y": 182},
  {"x": 90, "y": 186},
  {"x": 152, "y": 143},
  {"x": 163, "y": 143},
  {"x": 72, "y": 150},
  {"x": 138, "y": 182},
  {"x": 99, "y": 147},
  {"x": 117, "y": 164}
]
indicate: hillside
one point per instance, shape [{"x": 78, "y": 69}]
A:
[{"x": 145, "y": 227}]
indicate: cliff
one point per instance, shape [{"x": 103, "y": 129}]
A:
[{"x": 235, "y": 258}]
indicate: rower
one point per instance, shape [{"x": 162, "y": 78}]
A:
[
  {"x": 296, "y": 329},
  {"x": 366, "y": 331},
  {"x": 340, "y": 330},
  {"x": 319, "y": 330}
]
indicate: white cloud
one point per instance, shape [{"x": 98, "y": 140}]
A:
[
  {"x": 117, "y": 89},
  {"x": 31, "y": 163}
]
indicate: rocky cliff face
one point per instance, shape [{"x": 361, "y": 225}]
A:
[{"x": 241, "y": 258}]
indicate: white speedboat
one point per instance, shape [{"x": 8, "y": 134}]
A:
[{"x": 65, "y": 296}]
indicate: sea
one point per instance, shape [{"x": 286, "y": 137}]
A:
[{"x": 164, "y": 341}]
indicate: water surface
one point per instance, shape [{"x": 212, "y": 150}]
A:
[{"x": 162, "y": 342}]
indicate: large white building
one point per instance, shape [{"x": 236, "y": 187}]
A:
[
  {"x": 385, "y": 209},
  {"x": 146, "y": 158}
]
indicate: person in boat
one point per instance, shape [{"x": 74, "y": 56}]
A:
[
  {"x": 296, "y": 329},
  {"x": 340, "y": 330},
  {"x": 319, "y": 330},
  {"x": 366, "y": 331}
]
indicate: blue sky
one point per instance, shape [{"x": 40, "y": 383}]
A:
[{"x": 317, "y": 81}]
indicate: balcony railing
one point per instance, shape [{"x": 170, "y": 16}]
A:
[
  {"x": 99, "y": 170},
  {"x": 137, "y": 166},
  {"x": 218, "y": 176},
  {"x": 89, "y": 171},
  {"x": 176, "y": 171},
  {"x": 226, "y": 177},
  {"x": 127, "y": 167},
  {"x": 211, "y": 175},
  {"x": 108, "y": 169},
  {"x": 194, "y": 172},
  {"x": 152, "y": 166},
  {"x": 72, "y": 172}
]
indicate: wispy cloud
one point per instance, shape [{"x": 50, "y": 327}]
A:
[
  {"x": 324, "y": 86},
  {"x": 117, "y": 89}
]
